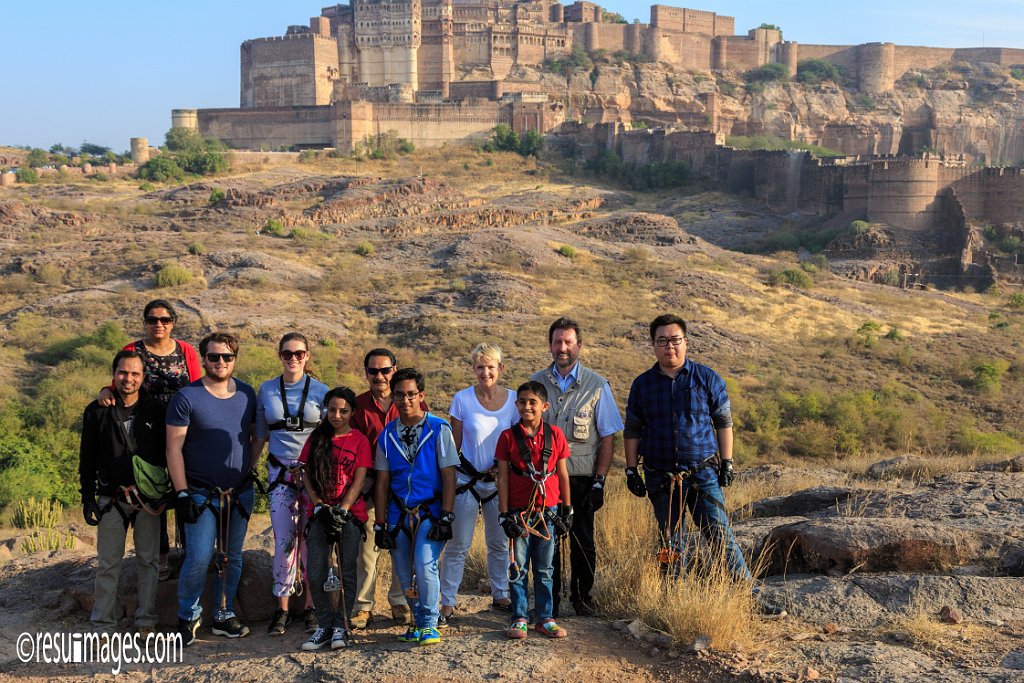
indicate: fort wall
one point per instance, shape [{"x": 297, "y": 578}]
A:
[
  {"x": 268, "y": 128},
  {"x": 298, "y": 69}
]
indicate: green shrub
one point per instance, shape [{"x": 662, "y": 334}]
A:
[
  {"x": 988, "y": 376},
  {"x": 365, "y": 249},
  {"x": 970, "y": 440},
  {"x": 147, "y": 187},
  {"x": 274, "y": 228},
  {"x": 27, "y": 175},
  {"x": 771, "y": 142},
  {"x": 816, "y": 71},
  {"x": 858, "y": 227},
  {"x": 567, "y": 251},
  {"x": 197, "y": 248},
  {"x": 791, "y": 276},
  {"x": 49, "y": 274},
  {"x": 162, "y": 169},
  {"x": 1010, "y": 244},
  {"x": 172, "y": 275},
  {"x": 216, "y": 195},
  {"x": 1017, "y": 72},
  {"x": 307, "y": 234},
  {"x": 894, "y": 334},
  {"x": 577, "y": 60},
  {"x": 1016, "y": 300},
  {"x": 767, "y": 73}
]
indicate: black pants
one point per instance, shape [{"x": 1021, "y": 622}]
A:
[{"x": 582, "y": 553}]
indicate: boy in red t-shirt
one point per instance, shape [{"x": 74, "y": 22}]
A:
[{"x": 534, "y": 506}]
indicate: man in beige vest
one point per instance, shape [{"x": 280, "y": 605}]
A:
[{"x": 582, "y": 406}]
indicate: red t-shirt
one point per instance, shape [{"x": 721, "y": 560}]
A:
[
  {"x": 520, "y": 488},
  {"x": 370, "y": 419},
  {"x": 349, "y": 452}
]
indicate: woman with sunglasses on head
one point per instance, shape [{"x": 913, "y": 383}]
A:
[
  {"x": 169, "y": 364},
  {"x": 288, "y": 409}
]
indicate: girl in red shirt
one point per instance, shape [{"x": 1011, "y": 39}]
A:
[{"x": 337, "y": 458}]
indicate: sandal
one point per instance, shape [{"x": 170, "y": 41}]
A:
[
  {"x": 516, "y": 630},
  {"x": 502, "y": 606},
  {"x": 550, "y": 628}
]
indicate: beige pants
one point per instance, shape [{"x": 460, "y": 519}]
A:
[
  {"x": 366, "y": 573},
  {"x": 110, "y": 543}
]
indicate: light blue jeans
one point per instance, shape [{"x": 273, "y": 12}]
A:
[
  {"x": 420, "y": 556},
  {"x": 200, "y": 539},
  {"x": 535, "y": 554}
]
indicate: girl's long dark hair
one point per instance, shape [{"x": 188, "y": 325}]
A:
[{"x": 318, "y": 466}]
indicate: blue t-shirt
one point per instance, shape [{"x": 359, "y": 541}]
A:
[
  {"x": 217, "y": 449},
  {"x": 286, "y": 445}
]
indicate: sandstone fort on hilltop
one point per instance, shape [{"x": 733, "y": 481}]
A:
[{"x": 439, "y": 70}]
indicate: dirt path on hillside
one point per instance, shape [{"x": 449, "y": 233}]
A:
[{"x": 474, "y": 647}]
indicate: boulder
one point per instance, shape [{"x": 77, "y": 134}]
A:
[
  {"x": 902, "y": 465},
  {"x": 801, "y": 503},
  {"x": 873, "y": 544}
]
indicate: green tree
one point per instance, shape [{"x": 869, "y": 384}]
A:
[
  {"x": 37, "y": 158},
  {"x": 503, "y": 139},
  {"x": 94, "y": 150},
  {"x": 530, "y": 144},
  {"x": 27, "y": 175},
  {"x": 183, "y": 139},
  {"x": 772, "y": 27}
]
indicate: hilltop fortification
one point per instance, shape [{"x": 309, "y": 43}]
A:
[{"x": 439, "y": 70}]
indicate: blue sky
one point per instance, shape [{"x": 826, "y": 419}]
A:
[{"x": 107, "y": 71}]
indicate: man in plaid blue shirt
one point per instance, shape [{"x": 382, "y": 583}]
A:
[{"x": 678, "y": 419}]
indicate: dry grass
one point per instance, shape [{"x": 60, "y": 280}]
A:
[
  {"x": 704, "y": 601},
  {"x": 750, "y": 489},
  {"x": 924, "y": 631}
]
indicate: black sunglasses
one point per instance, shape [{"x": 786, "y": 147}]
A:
[
  {"x": 379, "y": 371},
  {"x": 153, "y": 320},
  {"x": 217, "y": 357},
  {"x": 287, "y": 355}
]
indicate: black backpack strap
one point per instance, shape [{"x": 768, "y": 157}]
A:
[{"x": 300, "y": 423}]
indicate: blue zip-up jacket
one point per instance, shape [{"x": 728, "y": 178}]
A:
[{"x": 419, "y": 481}]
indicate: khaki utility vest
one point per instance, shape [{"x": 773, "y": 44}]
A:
[{"x": 575, "y": 413}]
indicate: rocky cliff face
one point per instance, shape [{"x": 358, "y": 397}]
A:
[{"x": 977, "y": 111}]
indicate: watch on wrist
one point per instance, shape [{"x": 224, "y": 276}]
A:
[
  {"x": 447, "y": 517},
  {"x": 598, "y": 481},
  {"x": 183, "y": 493},
  {"x": 379, "y": 527}
]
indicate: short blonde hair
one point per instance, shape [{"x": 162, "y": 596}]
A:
[{"x": 492, "y": 351}]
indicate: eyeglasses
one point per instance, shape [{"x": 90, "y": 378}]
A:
[
  {"x": 666, "y": 341},
  {"x": 218, "y": 357},
  {"x": 380, "y": 371},
  {"x": 288, "y": 355},
  {"x": 406, "y": 396},
  {"x": 164, "y": 320}
]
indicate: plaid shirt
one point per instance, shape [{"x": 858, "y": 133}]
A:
[{"x": 676, "y": 419}]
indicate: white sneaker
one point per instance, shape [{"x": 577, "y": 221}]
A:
[{"x": 338, "y": 638}]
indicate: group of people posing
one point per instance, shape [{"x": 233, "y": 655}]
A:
[{"x": 348, "y": 476}]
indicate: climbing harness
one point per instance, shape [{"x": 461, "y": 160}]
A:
[
  {"x": 475, "y": 476},
  {"x": 129, "y": 496},
  {"x": 534, "y": 517},
  {"x": 671, "y": 556},
  {"x": 287, "y": 475}
]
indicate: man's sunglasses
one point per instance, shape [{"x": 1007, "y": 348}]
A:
[
  {"x": 218, "y": 357},
  {"x": 288, "y": 355},
  {"x": 153, "y": 320},
  {"x": 380, "y": 371}
]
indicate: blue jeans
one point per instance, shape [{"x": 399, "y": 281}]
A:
[
  {"x": 536, "y": 554},
  {"x": 199, "y": 548},
  {"x": 419, "y": 555},
  {"x": 702, "y": 496}
]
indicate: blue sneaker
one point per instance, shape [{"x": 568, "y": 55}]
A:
[
  {"x": 410, "y": 636},
  {"x": 430, "y": 636}
]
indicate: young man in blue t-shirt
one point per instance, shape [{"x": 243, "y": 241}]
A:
[{"x": 210, "y": 458}]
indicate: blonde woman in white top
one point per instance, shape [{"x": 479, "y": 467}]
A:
[{"x": 478, "y": 415}]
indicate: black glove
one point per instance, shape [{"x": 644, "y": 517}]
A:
[
  {"x": 635, "y": 483},
  {"x": 91, "y": 511},
  {"x": 381, "y": 538},
  {"x": 725, "y": 473},
  {"x": 563, "y": 520},
  {"x": 185, "y": 508},
  {"x": 441, "y": 530},
  {"x": 597, "y": 493},
  {"x": 510, "y": 523}
]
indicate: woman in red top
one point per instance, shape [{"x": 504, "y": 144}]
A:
[
  {"x": 169, "y": 364},
  {"x": 337, "y": 458}
]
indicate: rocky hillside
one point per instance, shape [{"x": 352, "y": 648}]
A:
[{"x": 977, "y": 111}]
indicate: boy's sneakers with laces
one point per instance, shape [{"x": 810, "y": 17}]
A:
[
  {"x": 187, "y": 629},
  {"x": 230, "y": 628},
  {"x": 430, "y": 636},
  {"x": 279, "y": 622},
  {"x": 339, "y": 638},
  {"x": 410, "y": 636},
  {"x": 320, "y": 637},
  {"x": 517, "y": 630},
  {"x": 550, "y": 628},
  {"x": 311, "y": 622}
]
